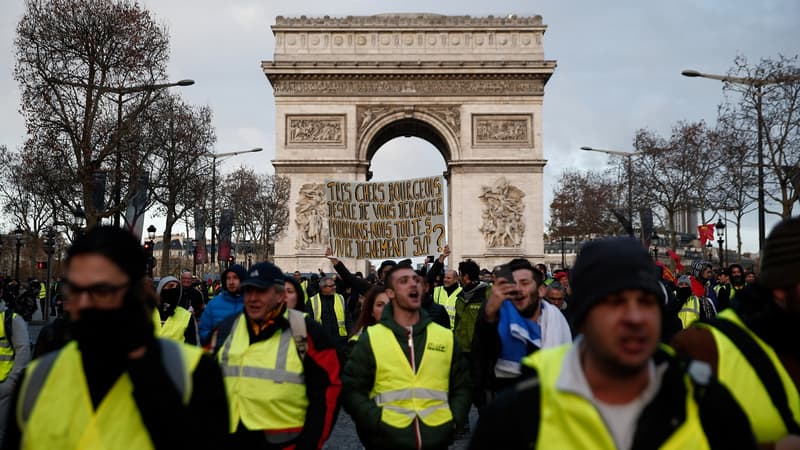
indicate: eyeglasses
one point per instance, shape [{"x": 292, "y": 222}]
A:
[{"x": 99, "y": 291}]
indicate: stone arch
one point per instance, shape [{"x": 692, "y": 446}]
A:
[
  {"x": 471, "y": 86},
  {"x": 419, "y": 124}
]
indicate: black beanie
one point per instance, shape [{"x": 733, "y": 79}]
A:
[
  {"x": 239, "y": 270},
  {"x": 116, "y": 244},
  {"x": 608, "y": 266},
  {"x": 780, "y": 258}
]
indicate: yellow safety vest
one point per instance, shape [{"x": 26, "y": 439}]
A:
[
  {"x": 6, "y": 348},
  {"x": 567, "y": 420},
  {"x": 55, "y": 408},
  {"x": 175, "y": 326},
  {"x": 738, "y": 375},
  {"x": 449, "y": 302},
  {"x": 265, "y": 384},
  {"x": 42, "y": 291},
  {"x": 690, "y": 311},
  {"x": 338, "y": 308},
  {"x": 404, "y": 395}
]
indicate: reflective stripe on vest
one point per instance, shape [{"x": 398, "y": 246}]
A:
[
  {"x": 55, "y": 408},
  {"x": 690, "y": 311},
  {"x": 6, "y": 348},
  {"x": 568, "y": 420},
  {"x": 265, "y": 382},
  {"x": 737, "y": 374},
  {"x": 404, "y": 395},
  {"x": 175, "y": 326},
  {"x": 449, "y": 302},
  {"x": 338, "y": 308}
]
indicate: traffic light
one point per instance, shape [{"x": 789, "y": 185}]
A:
[{"x": 41, "y": 265}]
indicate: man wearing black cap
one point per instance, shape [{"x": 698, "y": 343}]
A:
[
  {"x": 281, "y": 370},
  {"x": 115, "y": 385},
  {"x": 754, "y": 346},
  {"x": 614, "y": 387}
]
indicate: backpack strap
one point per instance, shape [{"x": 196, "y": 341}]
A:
[
  {"x": 34, "y": 382},
  {"x": 8, "y": 326},
  {"x": 297, "y": 323},
  {"x": 764, "y": 368}
]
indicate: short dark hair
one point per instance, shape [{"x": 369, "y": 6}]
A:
[
  {"x": 469, "y": 268},
  {"x": 524, "y": 264},
  {"x": 389, "y": 278}
]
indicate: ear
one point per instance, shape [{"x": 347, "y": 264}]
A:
[
  {"x": 780, "y": 297},
  {"x": 390, "y": 293}
]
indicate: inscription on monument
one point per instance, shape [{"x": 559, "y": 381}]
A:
[
  {"x": 315, "y": 130},
  {"x": 509, "y": 129}
]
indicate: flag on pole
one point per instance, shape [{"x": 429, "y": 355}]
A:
[
  {"x": 706, "y": 233},
  {"x": 674, "y": 256}
]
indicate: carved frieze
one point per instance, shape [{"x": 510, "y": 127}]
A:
[
  {"x": 502, "y": 129},
  {"x": 448, "y": 114},
  {"x": 408, "y": 19},
  {"x": 315, "y": 130},
  {"x": 502, "y": 225},
  {"x": 311, "y": 217},
  {"x": 407, "y": 87}
]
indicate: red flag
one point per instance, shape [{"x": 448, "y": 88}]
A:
[
  {"x": 666, "y": 273},
  {"x": 697, "y": 287},
  {"x": 706, "y": 233},
  {"x": 677, "y": 259}
]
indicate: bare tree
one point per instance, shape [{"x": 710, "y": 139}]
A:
[
  {"x": 259, "y": 204},
  {"x": 776, "y": 92},
  {"x": 180, "y": 136},
  {"x": 739, "y": 181},
  {"x": 582, "y": 205},
  {"x": 70, "y": 56},
  {"x": 27, "y": 209},
  {"x": 670, "y": 172}
]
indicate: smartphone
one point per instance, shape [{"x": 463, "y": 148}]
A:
[{"x": 503, "y": 271}]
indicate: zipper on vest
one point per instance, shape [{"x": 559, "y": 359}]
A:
[{"x": 412, "y": 359}]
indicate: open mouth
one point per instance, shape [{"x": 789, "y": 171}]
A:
[{"x": 413, "y": 294}]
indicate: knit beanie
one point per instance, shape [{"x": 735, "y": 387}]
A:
[
  {"x": 608, "y": 266},
  {"x": 698, "y": 266},
  {"x": 116, "y": 244},
  {"x": 780, "y": 257},
  {"x": 163, "y": 282},
  {"x": 238, "y": 270}
]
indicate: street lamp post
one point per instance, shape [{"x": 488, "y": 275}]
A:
[
  {"x": 720, "y": 226},
  {"x": 194, "y": 256},
  {"x": 214, "y": 158},
  {"x": 563, "y": 253},
  {"x": 118, "y": 169},
  {"x": 756, "y": 83},
  {"x": 49, "y": 248},
  {"x": 121, "y": 91},
  {"x": 655, "y": 238},
  {"x": 629, "y": 167},
  {"x": 18, "y": 236},
  {"x": 151, "y": 234}
]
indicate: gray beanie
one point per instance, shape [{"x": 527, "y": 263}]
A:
[
  {"x": 163, "y": 282},
  {"x": 780, "y": 257}
]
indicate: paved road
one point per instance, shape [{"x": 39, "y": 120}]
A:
[{"x": 344, "y": 435}]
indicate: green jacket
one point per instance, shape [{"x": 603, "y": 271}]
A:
[
  {"x": 468, "y": 305},
  {"x": 359, "y": 377}
]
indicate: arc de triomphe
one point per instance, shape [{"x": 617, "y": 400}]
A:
[{"x": 471, "y": 86}]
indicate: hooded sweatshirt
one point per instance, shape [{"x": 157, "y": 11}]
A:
[{"x": 222, "y": 306}]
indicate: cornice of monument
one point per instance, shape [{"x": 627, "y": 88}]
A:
[{"x": 416, "y": 20}]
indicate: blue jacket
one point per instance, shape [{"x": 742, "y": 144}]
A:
[{"x": 222, "y": 306}]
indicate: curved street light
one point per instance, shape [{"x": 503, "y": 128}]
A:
[
  {"x": 756, "y": 83},
  {"x": 218, "y": 157},
  {"x": 629, "y": 167}
]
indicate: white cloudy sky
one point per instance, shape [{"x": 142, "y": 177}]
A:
[{"x": 619, "y": 66}]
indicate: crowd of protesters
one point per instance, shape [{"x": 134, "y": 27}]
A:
[{"x": 613, "y": 353}]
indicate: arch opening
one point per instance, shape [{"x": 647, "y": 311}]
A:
[{"x": 408, "y": 127}]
